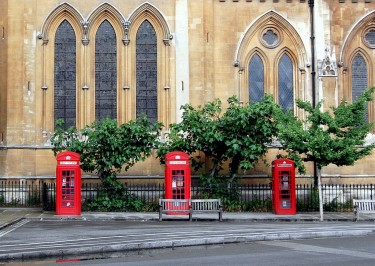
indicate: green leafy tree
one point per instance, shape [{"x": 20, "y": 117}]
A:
[
  {"x": 105, "y": 147},
  {"x": 334, "y": 137},
  {"x": 238, "y": 136}
]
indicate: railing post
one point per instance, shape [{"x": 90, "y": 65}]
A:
[{"x": 44, "y": 196}]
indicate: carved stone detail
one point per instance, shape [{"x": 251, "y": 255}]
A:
[
  {"x": 85, "y": 38},
  {"x": 328, "y": 67},
  {"x": 126, "y": 40}
]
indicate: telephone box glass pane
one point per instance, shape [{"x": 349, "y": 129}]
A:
[
  {"x": 285, "y": 193},
  {"x": 178, "y": 184},
  {"x": 67, "y": 191}
]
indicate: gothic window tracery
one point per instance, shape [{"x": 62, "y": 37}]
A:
[
  {"x": 369, "y": 38},
  {"x": 270, "y": 37},
  {"x": 357, "y": 63}
]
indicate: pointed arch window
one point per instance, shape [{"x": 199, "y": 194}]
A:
[
  {"x": 146, "y": 72},
  {"x": 359, "y": 77},
  {"x": 65, "y": 74},
  {"x": 256, "y": 79},
  {"x": 285, "y": 83},
  {"x": 105, "y": 72}
]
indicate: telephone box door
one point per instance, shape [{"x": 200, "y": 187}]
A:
[
  {"x": 177, "y": 179},
  {"x": 68, "y": 184},
  {"x": 283, "y": 187}
]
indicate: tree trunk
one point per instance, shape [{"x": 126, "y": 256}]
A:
[
  {"x": 233, "y": 170},
  {"x": 319, "y": 175}
]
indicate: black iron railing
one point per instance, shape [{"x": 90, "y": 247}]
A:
[
  {"x": 21, "y": 193},
  {"x": 252, "y": 197}
]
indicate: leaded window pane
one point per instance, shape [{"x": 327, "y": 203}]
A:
[
  {"x": 285, "y": 84},
  {"x": 105, "y": 72},
  {"x": 65, "y": 75},
  {"x": 270, "y": 37},
  {"x": 256, "y": 79},
  {"x": 146, "y": 72},
  {"x": 359, "y": 78}
]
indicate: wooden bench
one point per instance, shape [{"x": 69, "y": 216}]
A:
[
  {"x": 363, "y": 206},
  {"x": 182, "y": 206}
]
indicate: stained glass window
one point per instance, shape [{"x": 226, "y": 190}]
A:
[
  {"x": 359, "y": 77},
  {"x": 105, "y": 72},
  {"x": 65, "y": 75},
  {"x": 256, "y": 79},
  {"x": 285, "y": 84},
  {"x": 146, "y": 72}
]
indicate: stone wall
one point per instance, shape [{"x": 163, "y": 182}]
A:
[{"x": 206, "y": 57}]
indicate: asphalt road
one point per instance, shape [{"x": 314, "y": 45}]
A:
[
  {"x": 91, "y": 239},
  {"x": 342, "y": 251},
  {"x": 329, "y": 251}
]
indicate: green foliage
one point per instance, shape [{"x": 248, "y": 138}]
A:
[
  {"x": 105, "y": 147},
  {"x": 238, "y": 136},
  {"x": 310, "y": 204},
  {"x": 331, "y": 137},
  {"x": 257, "y": 205},
  {"x": 114, "y": 196},
  {"x": 218, "y": 188},
  {"x": 335, "y": 205},
  {"x": 34, "y": 199}
]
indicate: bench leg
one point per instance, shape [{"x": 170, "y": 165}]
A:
[{"x": 356, "y": 214}]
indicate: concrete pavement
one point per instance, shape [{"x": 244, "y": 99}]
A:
[{"x": 9, "y": 216}]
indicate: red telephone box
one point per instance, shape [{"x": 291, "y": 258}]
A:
[
  {"x": 68, "y": 184},
  {"x": 283, "y": 187},
  {"x": 177, "y": 178}
]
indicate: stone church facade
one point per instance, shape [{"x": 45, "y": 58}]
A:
[{"x": 85, "y": 60}]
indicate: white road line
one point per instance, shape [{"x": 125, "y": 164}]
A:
[
  {"x": 117, "y": 240},
  {"x": 13, "y": 227},
  {"x": 253, "y": 231}
]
